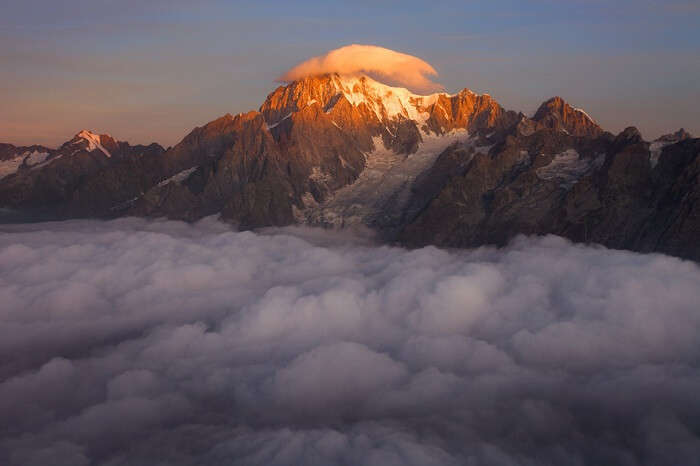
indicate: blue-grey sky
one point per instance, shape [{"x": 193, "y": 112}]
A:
[{"x": 152, "y": 70}]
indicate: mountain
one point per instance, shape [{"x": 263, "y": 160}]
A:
[
  {"x": 556, "y": 114},
  {"x": 87, "y": 176},
  {"x": 338, "y": 151},
  {"x": 314, "y": 153}
]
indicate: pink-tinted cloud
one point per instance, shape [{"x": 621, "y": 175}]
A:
[{"x": 386, "y": 64}]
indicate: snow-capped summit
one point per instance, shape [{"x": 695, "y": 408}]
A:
[
  {"x": 386, "y": 101},
  {"x": 94, "y": 141},
  {"x": 360, "y": 99},
  {"x": 88, "y": 135}
]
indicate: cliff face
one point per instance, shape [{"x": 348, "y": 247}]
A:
[{"x": 337, "y": 151}]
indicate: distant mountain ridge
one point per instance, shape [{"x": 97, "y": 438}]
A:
[
  {"x": 86, "y": 176},
  {"x": 339, "y": 151}
]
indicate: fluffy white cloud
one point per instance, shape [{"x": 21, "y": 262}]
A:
[
  {"x": 146, "y": 342},
  {"x": 388, "y": 65}
]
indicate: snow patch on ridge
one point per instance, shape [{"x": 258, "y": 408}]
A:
[
  {"x": 179, "y": 177},
  {"x": 36, "y": 158},
  {"x": 386, "y": 101},
  {"x": 30, "y": 159},
  {"x": 567, "y": 168},
  {"x": 8, "y": 167}
]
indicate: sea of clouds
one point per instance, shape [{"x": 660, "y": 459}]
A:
[{"x": 135, "y": 342}]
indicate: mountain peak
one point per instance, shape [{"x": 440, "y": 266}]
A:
[
  {"x": 386, "y": 102},
  {"x": 86, "y": 133},
  {"x": 680, "y": 135},
  {"x": 93, "y": 141},
  {"x": 629, "y": 135},
  {"x": 557, "y": 114}
]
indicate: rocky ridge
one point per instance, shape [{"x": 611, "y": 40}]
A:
[{"x": 336, "y": 151}]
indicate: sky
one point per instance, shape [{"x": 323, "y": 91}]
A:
[{"x": 147, "y": 71}]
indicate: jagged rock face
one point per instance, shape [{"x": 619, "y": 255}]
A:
[
  {"x": 238, "y": 172},
  {"x": 253, "y": 173},
  {"x": 468, "y": 110},
  {"x": 603, "y": 190},
  {"x": 556, "y": 114},
  {"x": 674, "y": 228}
]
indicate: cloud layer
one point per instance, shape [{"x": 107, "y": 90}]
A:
[
  {"x": 387, "y": 65},
  {"x": 145, "y": 343}
]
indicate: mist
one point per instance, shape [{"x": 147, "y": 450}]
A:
[
  {"x": 136, "y": 342},
  {"x": 388, "y": 65}
]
